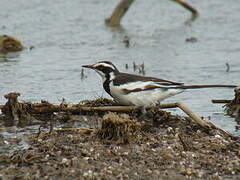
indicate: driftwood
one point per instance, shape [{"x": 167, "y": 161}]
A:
[
  {"x": 119, "y": 12},
  {"x": 221, "y": 101},
  {"x": 16, "y": 110},
  {"x": 38, "y": 108},
  {"x": 201, "y": 122},
  {"x": 122, "y": 7},
  {"x": 197, "y": 119}
]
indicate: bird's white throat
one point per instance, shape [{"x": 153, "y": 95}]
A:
[{"x": 104, "y": 76}]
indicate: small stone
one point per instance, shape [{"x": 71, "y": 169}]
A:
[
  {"x": 6, "y": 142},
  {"x": 191, "y": 39},
  {"x": 157, "y": 172},
  {"x": 86, "y": 158},
  {"x": 64, "y": 160},
  {"x": 217, "y": 136}
]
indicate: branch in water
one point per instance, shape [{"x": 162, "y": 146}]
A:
[
  {"x": 119, "y": 12},
  {"x": 123, "y": 6},
  {"x": 221, "y": 101},
  {"x": 187, "y": 6}
]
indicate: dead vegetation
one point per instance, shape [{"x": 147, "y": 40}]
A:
[
  {"x": 26, "y": 111},
  {"x": 120, "y": 128},
  {"x": 9, "y": 44},
  {"x": 233, "y": 107},
  {"x": 124, "y": 145}
]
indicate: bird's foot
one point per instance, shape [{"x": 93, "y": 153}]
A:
[{"x": 145, "y": 115}]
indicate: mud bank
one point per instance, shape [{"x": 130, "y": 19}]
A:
[{"x": 117, "y": 145}]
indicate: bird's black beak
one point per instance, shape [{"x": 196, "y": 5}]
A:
[{"x": 88, "y": 66}]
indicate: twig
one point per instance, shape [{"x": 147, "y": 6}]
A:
[
  {"x": 228, "y": 67},
  {"x": 39, "y": 131},
  {"x": 82, "y": 130},
  {"x": 50, "y": 108},
  {"x": 185, "y": 144},
  {"x": 123, "y": 108},
  {"x": 51, "y": 128},
  {"x": 39, "y": 108},
  {"x": 221, "y": 101},
  {"x": 187, "y": 6}
]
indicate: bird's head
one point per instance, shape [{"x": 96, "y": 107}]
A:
[{"x": 105, "y": 69}]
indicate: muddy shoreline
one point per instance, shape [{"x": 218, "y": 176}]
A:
[{"x": 124, "y": 146}]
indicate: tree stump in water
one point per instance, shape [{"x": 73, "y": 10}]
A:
[{"x": 13, "y": 109}]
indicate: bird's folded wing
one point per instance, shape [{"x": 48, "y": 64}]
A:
[{"x": 124, "y": 78}]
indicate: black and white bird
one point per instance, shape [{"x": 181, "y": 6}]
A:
[{"x": 130, "y": 89}]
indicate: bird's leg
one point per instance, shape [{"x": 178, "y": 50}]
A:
[
  {"x": 144, "y": 114},
  {"x": 143, "y": 109}
]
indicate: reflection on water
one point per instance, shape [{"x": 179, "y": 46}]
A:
[{"x": 8, "y": 58}]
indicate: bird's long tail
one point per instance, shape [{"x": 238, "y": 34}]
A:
[{"x": 206, "y": 86}]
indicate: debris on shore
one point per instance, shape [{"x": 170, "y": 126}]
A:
[
  {"x": 120, "y": 145},
  {"x": 9, "y": 44},
  {"x": 233, "y": 107}
]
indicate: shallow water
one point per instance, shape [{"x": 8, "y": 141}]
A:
[{"x": 68, "y": 34}]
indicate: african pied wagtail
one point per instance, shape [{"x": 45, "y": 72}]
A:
[{"x": 130, "y": 89}]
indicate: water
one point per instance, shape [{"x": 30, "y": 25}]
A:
[{"x": 68, "y": 34}]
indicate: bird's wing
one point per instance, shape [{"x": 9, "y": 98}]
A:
[
  {"x": 134, "y": 83},
  {"x": 124, "y": 78}
]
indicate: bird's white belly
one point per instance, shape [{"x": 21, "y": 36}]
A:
[{"x": 142, "y": 98}]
